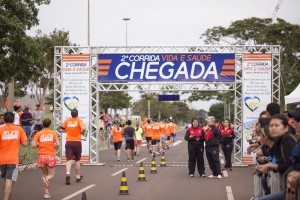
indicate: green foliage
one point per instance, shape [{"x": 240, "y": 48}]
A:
[
  {"x": 217, "y": 110},
  {"x": 114, "y": 100},
  {"x": 262, "y": 31}
]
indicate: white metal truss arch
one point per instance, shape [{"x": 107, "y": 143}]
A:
[{"x": 96, "y": 87}]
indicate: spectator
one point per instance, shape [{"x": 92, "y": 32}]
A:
[
  {"x": 26, "y": 119},
  {"x": 37, "y": 116},
  {"x": 16, "y": 115},
  {"x": 227, "y": 138},
  {"x": 273, "y": 109},
  {"x": 2, "y": 120},
  {"x": 47, "y": 141},
  {"x": 74, "y": 128},
  {"x": 11, "y": 137}
]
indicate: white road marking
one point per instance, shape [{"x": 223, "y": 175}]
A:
[
  {"x": 229, "y": 193},
  {"x": 225, "y": 173},
  {"x": 222, "y": 161},
  {"x": 78, "y": 192},
  {"x": 141, "y": 160},
  {"x": 143, "y": 145},
  {"x": 177, "y": 142},
  {"x": 118, "y": 172}
]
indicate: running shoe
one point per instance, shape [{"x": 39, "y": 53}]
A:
[
  {"x": 68, "y": 182},
  {"x": 191, "y": 175},
  {"x": 150, "y": 151},
  {"x": 229, "y": 169},
  {"x": 128, "y": 160},
  {"x": 46, "y": 182},
  {"x": 219, "y": 176},
  {"x": 79, "y": 179},
  {"x": 118, "y": 159},
  {"x": 47, "y": 196},
  {"x": 212, "y": 176},
  {"x": 202, "y": 175},
  {"x": 132, "y": 160}
]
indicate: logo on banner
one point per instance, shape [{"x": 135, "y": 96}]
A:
[
  {"x": 252, "y": 103},
  {"x": 71, "y": 102}
]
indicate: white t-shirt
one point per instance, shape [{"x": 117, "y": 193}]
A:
[
  {"x": 17, "y": 118},
  {"x": 38, "y": 116}
]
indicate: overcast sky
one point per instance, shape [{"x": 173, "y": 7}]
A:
[{"x": 156, "y": 22}]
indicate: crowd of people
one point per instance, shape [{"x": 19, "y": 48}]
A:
[
  {"x": 46, "y": 140},
  {"x": 159, "y": 137},
  {"x": 276, "y": 151},
  {"x": 213, "y": 135}
]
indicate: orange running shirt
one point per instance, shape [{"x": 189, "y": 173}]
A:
[
  {"x": 167, "y": 130},
  {"x": 162, "y": 128},
  {"x": 117, "y": 134},
  {"x": 10, "y": 138},
  {"x": 156, "y": 131},
  {"x": 73, "y": 129},
  {"x": 148, "y": 130},
  {"x": 172, "y": 127},
  {"x": 46, "y": 139}
]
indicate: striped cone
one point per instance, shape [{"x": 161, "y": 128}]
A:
[
  {"x": 123, "y": 186},
  {"x": 141, "y": 176},
  {"x": 153, "y": 166},
  {"x": 83, "y": 196},
  {"x": 163, "y": 160}
]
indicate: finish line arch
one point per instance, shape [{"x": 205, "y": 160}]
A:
[{"x": 256, "y": 74}]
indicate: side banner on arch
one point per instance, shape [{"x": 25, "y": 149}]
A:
[
  {"x": 166, "y": 67},
  {"x": 76, "y": 94},
  {"x": 257, "y": 94}
]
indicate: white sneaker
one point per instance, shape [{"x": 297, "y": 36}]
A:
[
  {"x": 191, "y": 175},
  {"x": 202, "y": 175},
  {"x": 211, "y": 176},
  {"x": 47, "y": 196},
  {"x": 219, "y": 177}
]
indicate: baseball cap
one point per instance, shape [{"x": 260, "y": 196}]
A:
[
  {"x": 295, "y": 114},
  {"x": 26, "y": 108}
]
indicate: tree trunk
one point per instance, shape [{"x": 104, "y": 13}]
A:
[{"x": 11, "y": 95}]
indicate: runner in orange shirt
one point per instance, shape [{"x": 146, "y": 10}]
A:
[
  {"x": 167, "y": 133},
  {"x": 11, "y": 137},
  {"x": 74, "y": 128},
  {"x": 163, "y": 137},
  {"x": 47, "y": 141},
  {"x": 172, "y": 126},
  {"x": 116, "y": 133},
  {"x": 156, "y": 137},
  {"x": 147, "y": 128}
]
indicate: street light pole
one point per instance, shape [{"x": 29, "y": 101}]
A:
[
  {"x": 126, "y": 19},
  {"x": 88, "y": 22}
]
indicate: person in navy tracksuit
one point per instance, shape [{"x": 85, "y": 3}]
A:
[
  {"x": 195, "y": 137},
  {"x": 212, "y": 134}
]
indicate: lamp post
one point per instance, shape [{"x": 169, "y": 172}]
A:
[
  {"x": 126, "y": 19},
  {"x": 88, "y": 23}
]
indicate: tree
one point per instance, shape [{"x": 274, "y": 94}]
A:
[
  {"x": 20, "y": 55},
  {"x": 114, "y": 100},
  {"x": 217, "y": 110},
  {"x": 263, "y": 31}
]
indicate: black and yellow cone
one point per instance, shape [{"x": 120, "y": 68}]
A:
[
  {"x": 153, "y": 169},
  {"x": 123, "y": 186},
  {"x": 141, "y": 176},
  {"x": 83, "y": 196},
  {"x": 163, "y": 160}
]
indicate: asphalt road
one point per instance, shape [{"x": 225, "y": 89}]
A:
[{"x": 171, "y": 182}]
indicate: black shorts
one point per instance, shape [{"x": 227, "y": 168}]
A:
[
  {"x": 9, "y": 171},
  {"x": 155, "y": 142},
  {"x": 172, "y": 134},
  {"x": 129, "y": 144},
  {"x": 148, "y": 139},
  {"x": 168, "y": 137},
  {"x": 73, "y": 150},
  {"x": 117, "y": 145}
]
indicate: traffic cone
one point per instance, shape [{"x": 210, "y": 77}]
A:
[
  {"x": 153, "y": 166},
  {"x": 163, "y": 160},
  {"x": 83, "y": 196},
  {"x": 123, "y": 186},
  {"x": 141, "y": 176}
]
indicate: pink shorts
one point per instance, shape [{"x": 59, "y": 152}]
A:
[
  {"x": 137, "y": 141},
  {"x": 46, "y": 160}
]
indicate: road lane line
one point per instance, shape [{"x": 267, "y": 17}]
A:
[
  {"x": 78, "y": 192},
  {"x": 225, "y": 173},
  {"x": 177, "y": 142},
  {"x": 141, "y": 160},
  {"x": 118, "y": 172},
  {"x": 229, "y": 193},
  {"x": 143, "y": 145},
  {"x": 222, "y": 161}
]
